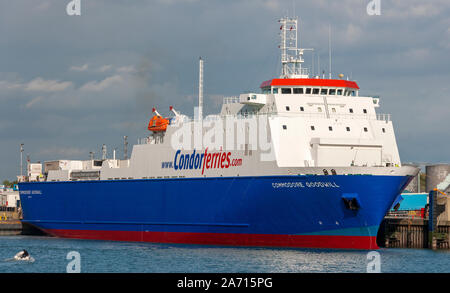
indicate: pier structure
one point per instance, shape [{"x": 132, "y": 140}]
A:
[{"x": 425, "y": 228}]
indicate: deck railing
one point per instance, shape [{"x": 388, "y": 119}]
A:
[
  {"x": 231, "y": 100},
  {"x": 250, "y": 114},
  {"x": 407, "y": 214}
]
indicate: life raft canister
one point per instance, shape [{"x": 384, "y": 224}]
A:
[{"x": 158, "y": 123}]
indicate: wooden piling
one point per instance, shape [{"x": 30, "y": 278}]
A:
[{"x": 413, "y": 233}]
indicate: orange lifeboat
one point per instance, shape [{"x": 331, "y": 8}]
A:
[{"x": 158, "y": 123}]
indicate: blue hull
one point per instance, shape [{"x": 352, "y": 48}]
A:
[{"x": 294, "y": 210}]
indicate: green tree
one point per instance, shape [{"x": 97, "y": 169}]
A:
[{"x": 8, "y": 183}]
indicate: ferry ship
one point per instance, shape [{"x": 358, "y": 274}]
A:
[{"x": 306, "y": 161}]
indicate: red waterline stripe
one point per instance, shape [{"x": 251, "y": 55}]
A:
[{"x": 268, "y": 240}]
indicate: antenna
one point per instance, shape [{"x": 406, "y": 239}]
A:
[
  {"x": 125, "y": 148},
  {"x": 28, "y": 164},
  {"x": 104, "y": 152},
  {"x": 318, "y": 65},
  {"x": 200, "y": 90},
  {"x": 329, "y": 49},
  {"x": 21, "y": 159},
  {"x": 293, "y": 7}
]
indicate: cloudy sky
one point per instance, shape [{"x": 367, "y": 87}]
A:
[{"x": 68, "y": 84}]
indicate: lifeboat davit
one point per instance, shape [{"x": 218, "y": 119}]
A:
[{"x": 158, "y": 123}]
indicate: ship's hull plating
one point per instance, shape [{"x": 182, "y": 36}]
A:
[{"x": 281, "y": 211}]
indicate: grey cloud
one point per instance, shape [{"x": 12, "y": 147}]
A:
[
  {"x": 102, "y": 85},
  {"x": 36, "y": 85},
  {"x": 84, "y": 67}
]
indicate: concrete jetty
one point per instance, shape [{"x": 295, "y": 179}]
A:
[{"x": 9, "y": 228}]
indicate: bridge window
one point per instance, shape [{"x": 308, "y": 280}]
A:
[
  {"x": 275, "y": 90},
  {"x": 298, "y": 90},
  {"x": 315, "y": 91},
  {"x": 308, "y": 91},
  {"x": 266, "y": 90},
  {"x": 323, "y": 91},
  {"x": 332, "y": 92},
  {"x": 339, "y": 92},
  {"x": 353, "y": 93},
  {"x": 286, "y": 91}
]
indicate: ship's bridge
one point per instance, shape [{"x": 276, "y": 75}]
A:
[{"x": 310, "y": 86}]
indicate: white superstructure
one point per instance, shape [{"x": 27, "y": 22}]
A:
[
  {"x": 327, "y": 124},
  {"x": 295, "y": 124}
]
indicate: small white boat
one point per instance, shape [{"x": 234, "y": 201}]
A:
[{"x": 23, "y": 255}]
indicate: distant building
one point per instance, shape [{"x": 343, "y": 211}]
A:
[{"x": 9, "y": 197}]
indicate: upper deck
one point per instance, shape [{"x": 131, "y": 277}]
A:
[
  {"x": 308, "y": 86},
  {"x": 310, "y": 82}
]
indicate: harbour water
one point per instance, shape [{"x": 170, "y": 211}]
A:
[{"x": 50, "y": 256}]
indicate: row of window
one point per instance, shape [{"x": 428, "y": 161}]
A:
[
  {"x": 330, "y": 128},
  {"x": 310, "y": 91},
  {"x": 319, "y": 109}
]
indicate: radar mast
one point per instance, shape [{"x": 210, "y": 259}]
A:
[{"x": 291, "y": 55}]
